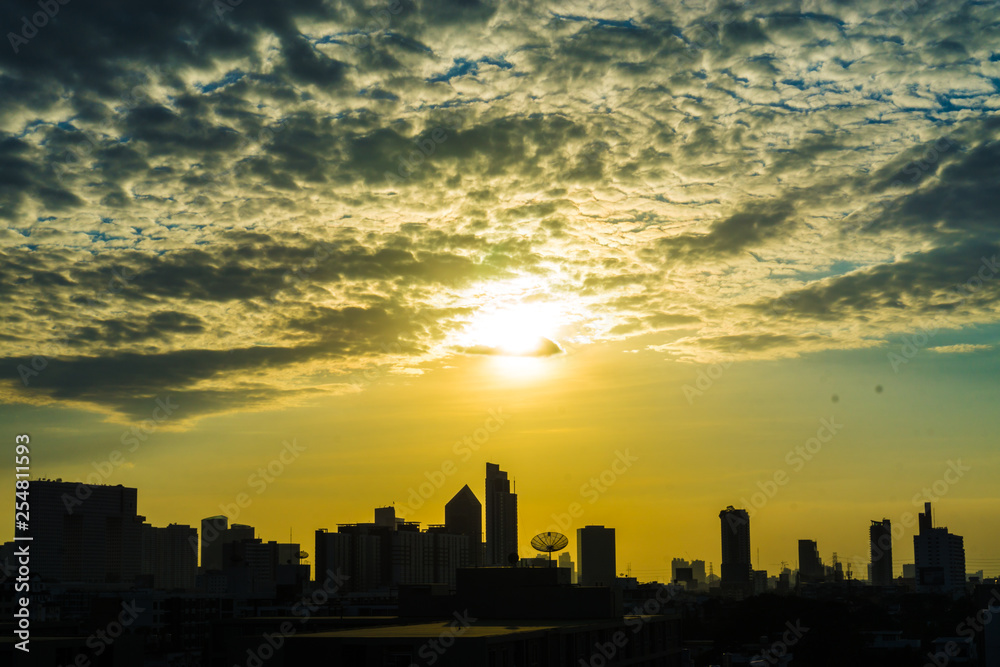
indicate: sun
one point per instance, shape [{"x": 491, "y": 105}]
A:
[{"x": 521, "y": 329}]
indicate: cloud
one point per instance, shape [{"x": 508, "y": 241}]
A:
[
  {"x": 197, "y": 200},
  {"x": 543, "y": 348},
  {"x": 964, "y": 348}
]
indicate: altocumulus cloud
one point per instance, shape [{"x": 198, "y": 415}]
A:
[{"x": 196, "y": 201}]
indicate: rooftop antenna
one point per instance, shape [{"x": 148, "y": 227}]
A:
[{"x": 549, "y": 542}]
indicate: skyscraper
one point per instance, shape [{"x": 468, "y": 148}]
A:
[
  {"x": 167, "y": 556},
  {"x": 880, "y": 540},
  {"x": 811, "y": 570},
  {"x": 463, "y": 515},
  {"x": 566, "y": 561},
  {"x": 939, "y": 556},
  {"x": 501, "y": 518},
  {"x": 212, "y": 529},
  {"x": 737, "y": 573},
  {"x": 85, "y": 532},
  {"x": 595, "y": 555},
  {"x": 215, "y": 534}
]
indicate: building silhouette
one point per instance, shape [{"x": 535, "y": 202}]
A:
[
  {"x": 463, "y": 515},
  {"x": 811, "y": 570},
  {"x": 737, "y": 571},
  {"x": 880, "y": 540},
  {"x": 678, "y": 564},
  {"x": 167, "y": 556},
  {"x": 566, "y": 561},
  {"x": 215, "y": 534},
  {"x": 391, "y": 552},
  {"x": 85, "y": 533},
  {"x": 939, "y": 556},
  {"x": 501, "y": 518},
  {"x": 595, "y": 556}
]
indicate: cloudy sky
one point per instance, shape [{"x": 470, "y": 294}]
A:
[{"x": 692, "y": 230}]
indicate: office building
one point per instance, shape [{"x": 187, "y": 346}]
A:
[
  {"x": 501, "y": 518},
  {"x": 595, "y": 556},
  {"x": 880, "y": 540},
  {"x": 215, "y": 534},
  {"x": 463, "y": 515},
  {"x": 939, "y": 556},
  {"x": 811, "y": 570},
  {"x": 737, "y": 571},
  {"x": 86, "y": 533},
  {"x": 167, "y": 556},
  {"x": 566, "y": 561}
]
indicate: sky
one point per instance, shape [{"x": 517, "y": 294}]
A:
[{"x": 652, "y": 258}]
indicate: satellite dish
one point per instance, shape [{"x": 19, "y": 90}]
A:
[
  {"x": 302, "y": 554},
  {"x": 513, "y": 559},
  {"x": 549, "y": 542}
]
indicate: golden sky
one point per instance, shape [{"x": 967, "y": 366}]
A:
[{"x": 674, "y": 235}]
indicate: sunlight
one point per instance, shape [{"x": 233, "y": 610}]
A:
[{"x": 515, "y": 330}]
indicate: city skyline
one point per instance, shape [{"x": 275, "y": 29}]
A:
[
  {"x": 656, "y": 259},
  {"x": 734, "y": 521}
]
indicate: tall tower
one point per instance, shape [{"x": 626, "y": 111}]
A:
[
  {"x": 463, "y": 515},
  {"x": 737, "y": 572},
  {"x": 939, "y": 556},
  {"x": 880, "y": 540},
  {"x": 501, "y": 517},
  {"x": 811, "y": 570},
  {"x": 85, "y": 532},
  {"x": 595, "y": 554}
]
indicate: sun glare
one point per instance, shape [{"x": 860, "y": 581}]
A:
[{"x": 515, "y": 330}]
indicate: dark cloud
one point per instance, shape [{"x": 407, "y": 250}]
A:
[
  {"x": 544, "y": 348},
  {"x": 197, "y": 197}
]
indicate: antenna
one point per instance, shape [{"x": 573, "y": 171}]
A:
[{"x": 549, "y": 542}]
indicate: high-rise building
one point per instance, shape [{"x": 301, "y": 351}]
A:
[
  {"x": 390, "y": 552},
  {"x": 501, "y": 518},
  {"x": 676, "y": 564},
  {"x": 212, "y": 529},
  {"x": 566, "y": 561},
  {"x": 737, "y": 571},
  {"x": 811, "y": 570},
  {"x": 595, "y": 556},
  {"x": 880, "y": 540},
  {"x": 215, "y": 534},
  {"x": 85, "y": 532},
  {"x": 463, "y": 515},
  {"x": 939, "y": 556},
  {"x": 698, "y": 570},
  {"x": 167, "y": 556}
]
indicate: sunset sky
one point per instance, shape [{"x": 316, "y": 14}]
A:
[{"x": 637, "y": 253}]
